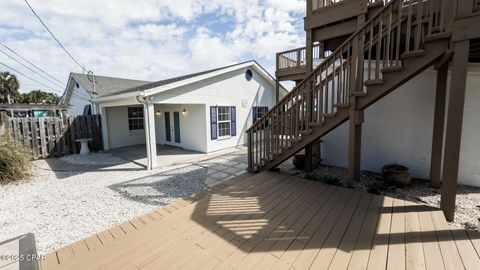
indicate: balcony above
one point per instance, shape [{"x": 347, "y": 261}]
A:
[
  {"x": 321, "y": 13},
  {"x": 291, "y": 64}
]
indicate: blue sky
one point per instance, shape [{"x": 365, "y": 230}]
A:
[{"x": 149, "y": 39}]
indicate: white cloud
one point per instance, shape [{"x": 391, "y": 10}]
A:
[{"x": 150, "y": 39}]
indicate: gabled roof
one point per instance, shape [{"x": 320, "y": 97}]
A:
[
  {"x": 164, "y": 85},
  {"x": 105, "y": 85}
]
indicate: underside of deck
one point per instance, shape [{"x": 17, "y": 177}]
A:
[{"x": 274, "y": 221}]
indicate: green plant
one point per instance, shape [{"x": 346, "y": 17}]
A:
[
  {"x": 15, "y": 160},
  {"x": 331, "y": 179}
]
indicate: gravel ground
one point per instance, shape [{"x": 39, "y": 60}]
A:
[
  {"x": 467, "y": 211},
  {"x": 89, "y": 194}
]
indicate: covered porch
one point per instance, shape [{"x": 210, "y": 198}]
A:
[{"x": 155, "y": 134}]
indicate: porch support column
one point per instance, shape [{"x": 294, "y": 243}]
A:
[
  {"x": 438, "y": 127},
  {"x": 453, "y": 131},
  {"x": 151, "y": 142}
]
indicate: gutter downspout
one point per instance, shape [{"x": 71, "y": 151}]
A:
[{"x": 144, "y": 100}]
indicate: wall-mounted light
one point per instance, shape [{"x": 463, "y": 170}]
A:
[
  {"x": 184, "y": 112},
  {"x": 158, "y": 113}
]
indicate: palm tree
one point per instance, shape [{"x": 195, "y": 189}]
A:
[{"x": 9, "y": 86}]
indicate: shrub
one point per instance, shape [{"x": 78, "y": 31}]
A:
[{"x": 15, "y": 160}]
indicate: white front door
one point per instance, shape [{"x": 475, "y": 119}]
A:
[{"x": 172, "y": 128}]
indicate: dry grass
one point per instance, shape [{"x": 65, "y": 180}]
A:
[{"x": 15, "y": 160}]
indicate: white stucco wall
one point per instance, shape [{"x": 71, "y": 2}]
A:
[
  {"x": 399, "y": 128},
  {"x": 229, "y": 89},
  {"x": 118, "y": 133}
]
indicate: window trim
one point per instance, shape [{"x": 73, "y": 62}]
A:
[
  {"x": 219, "y": 138},
  {"x": 135, "y": 131},
  {"x": 265, "y": 108}
]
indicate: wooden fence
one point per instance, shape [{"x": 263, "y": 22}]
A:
[{"x": 54, "y": 136}]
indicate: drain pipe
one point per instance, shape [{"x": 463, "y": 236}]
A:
[{"x": 144, "y": 100}]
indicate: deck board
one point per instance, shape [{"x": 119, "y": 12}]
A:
[{"x": 275, "y": 221}]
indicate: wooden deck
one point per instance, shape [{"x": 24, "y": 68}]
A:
[{"x": 274, "y": 221}]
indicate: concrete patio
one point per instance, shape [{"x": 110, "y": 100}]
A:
[{"x": 166, "y": 155}]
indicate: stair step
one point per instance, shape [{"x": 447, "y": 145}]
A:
[
  {"x": 412, "y": 54},
  {"x": 392, "y": 69},
  {"x": 316, "y": 124},
  {"x": 329, "y": 115},
  {"x": 306, "y": 132},
  {"x": 373, "y": 82},
  {"x": 341, "y": 105},
  {"x": 296, "y": 140},
  {"x": 358, "y": 94},
  {"x": 438, "y": 36}
]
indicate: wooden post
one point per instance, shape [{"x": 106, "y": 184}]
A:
[
  {"x": 438, "y": 127},
  {"x": 277, "y": 91},
  {"x": 308, "y": 70},
  {"x": 356, "y": 117},
  {"x": 453, "y": 131}
]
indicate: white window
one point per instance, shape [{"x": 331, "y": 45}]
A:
[
  {"x": 224, "y": 121},
  {"x": 261, "y": 111},
  {"x": 135, "y": 118}
]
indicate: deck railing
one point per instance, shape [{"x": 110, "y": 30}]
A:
[
  {"x": 316, "y": 4},
  {"x": 400, "y": 27},
  {"x": 296, "y": 58}
]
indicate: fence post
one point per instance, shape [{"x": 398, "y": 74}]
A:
[{"x": 4, "y": 123}]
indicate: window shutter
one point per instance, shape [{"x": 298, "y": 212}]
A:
[
  {"x": 233, "y": 125},
  {"x": 254, "y": 113},
  {"x": 213, "y": 122}
]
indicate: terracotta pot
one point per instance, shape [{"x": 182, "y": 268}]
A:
[
  {"x": 397, "y": 175},
  {"x": 299, "y": 161}
]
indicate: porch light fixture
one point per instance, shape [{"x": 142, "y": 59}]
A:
[
  {"x": 158, "y": 113},
  {"x": 184, "y": 112}
]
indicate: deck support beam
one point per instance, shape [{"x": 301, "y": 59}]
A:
[
  {"x": 438, "y": 127},
  {"x": 354, "y": 144},
  {"x": 453, "y": 131}
]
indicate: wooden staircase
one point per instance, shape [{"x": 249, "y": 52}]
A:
[{"x": 402, "y": 40}]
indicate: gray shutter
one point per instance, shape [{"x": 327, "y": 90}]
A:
[
  {"x": 233, "y": 125},
  {"x": 254, "y": 113},
  {"x": 213, "y": 122}
]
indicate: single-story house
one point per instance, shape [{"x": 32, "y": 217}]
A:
[
  {"x": 81, "y": 91},
  {"x": 203, "y": 112}
]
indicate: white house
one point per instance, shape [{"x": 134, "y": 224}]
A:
[
  {"x": 204, "y": 112},
  {"x": 81, "y": 91}
]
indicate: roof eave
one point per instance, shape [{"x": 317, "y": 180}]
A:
[{"x": 119, "y": 96}]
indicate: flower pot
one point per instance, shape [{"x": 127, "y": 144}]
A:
[
  {"x": 397, "y": 175},
  {"x": 299, "y": 161}
]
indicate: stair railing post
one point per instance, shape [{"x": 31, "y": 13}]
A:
[
  {"x": 355, "y": 116},
  {"x": 311, "y": 86},
  {"x": 250, "y": 150}
]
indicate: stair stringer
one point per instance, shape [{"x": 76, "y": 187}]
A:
[
  {"x": 413, "y": 66},
  {"x": 434, "y": 50}
]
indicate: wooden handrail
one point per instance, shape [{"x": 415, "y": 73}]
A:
[
  {"x": 319, "y": 4},
  {"x": 295, "y": 58},
  {"x": 400, "y": 27}
]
